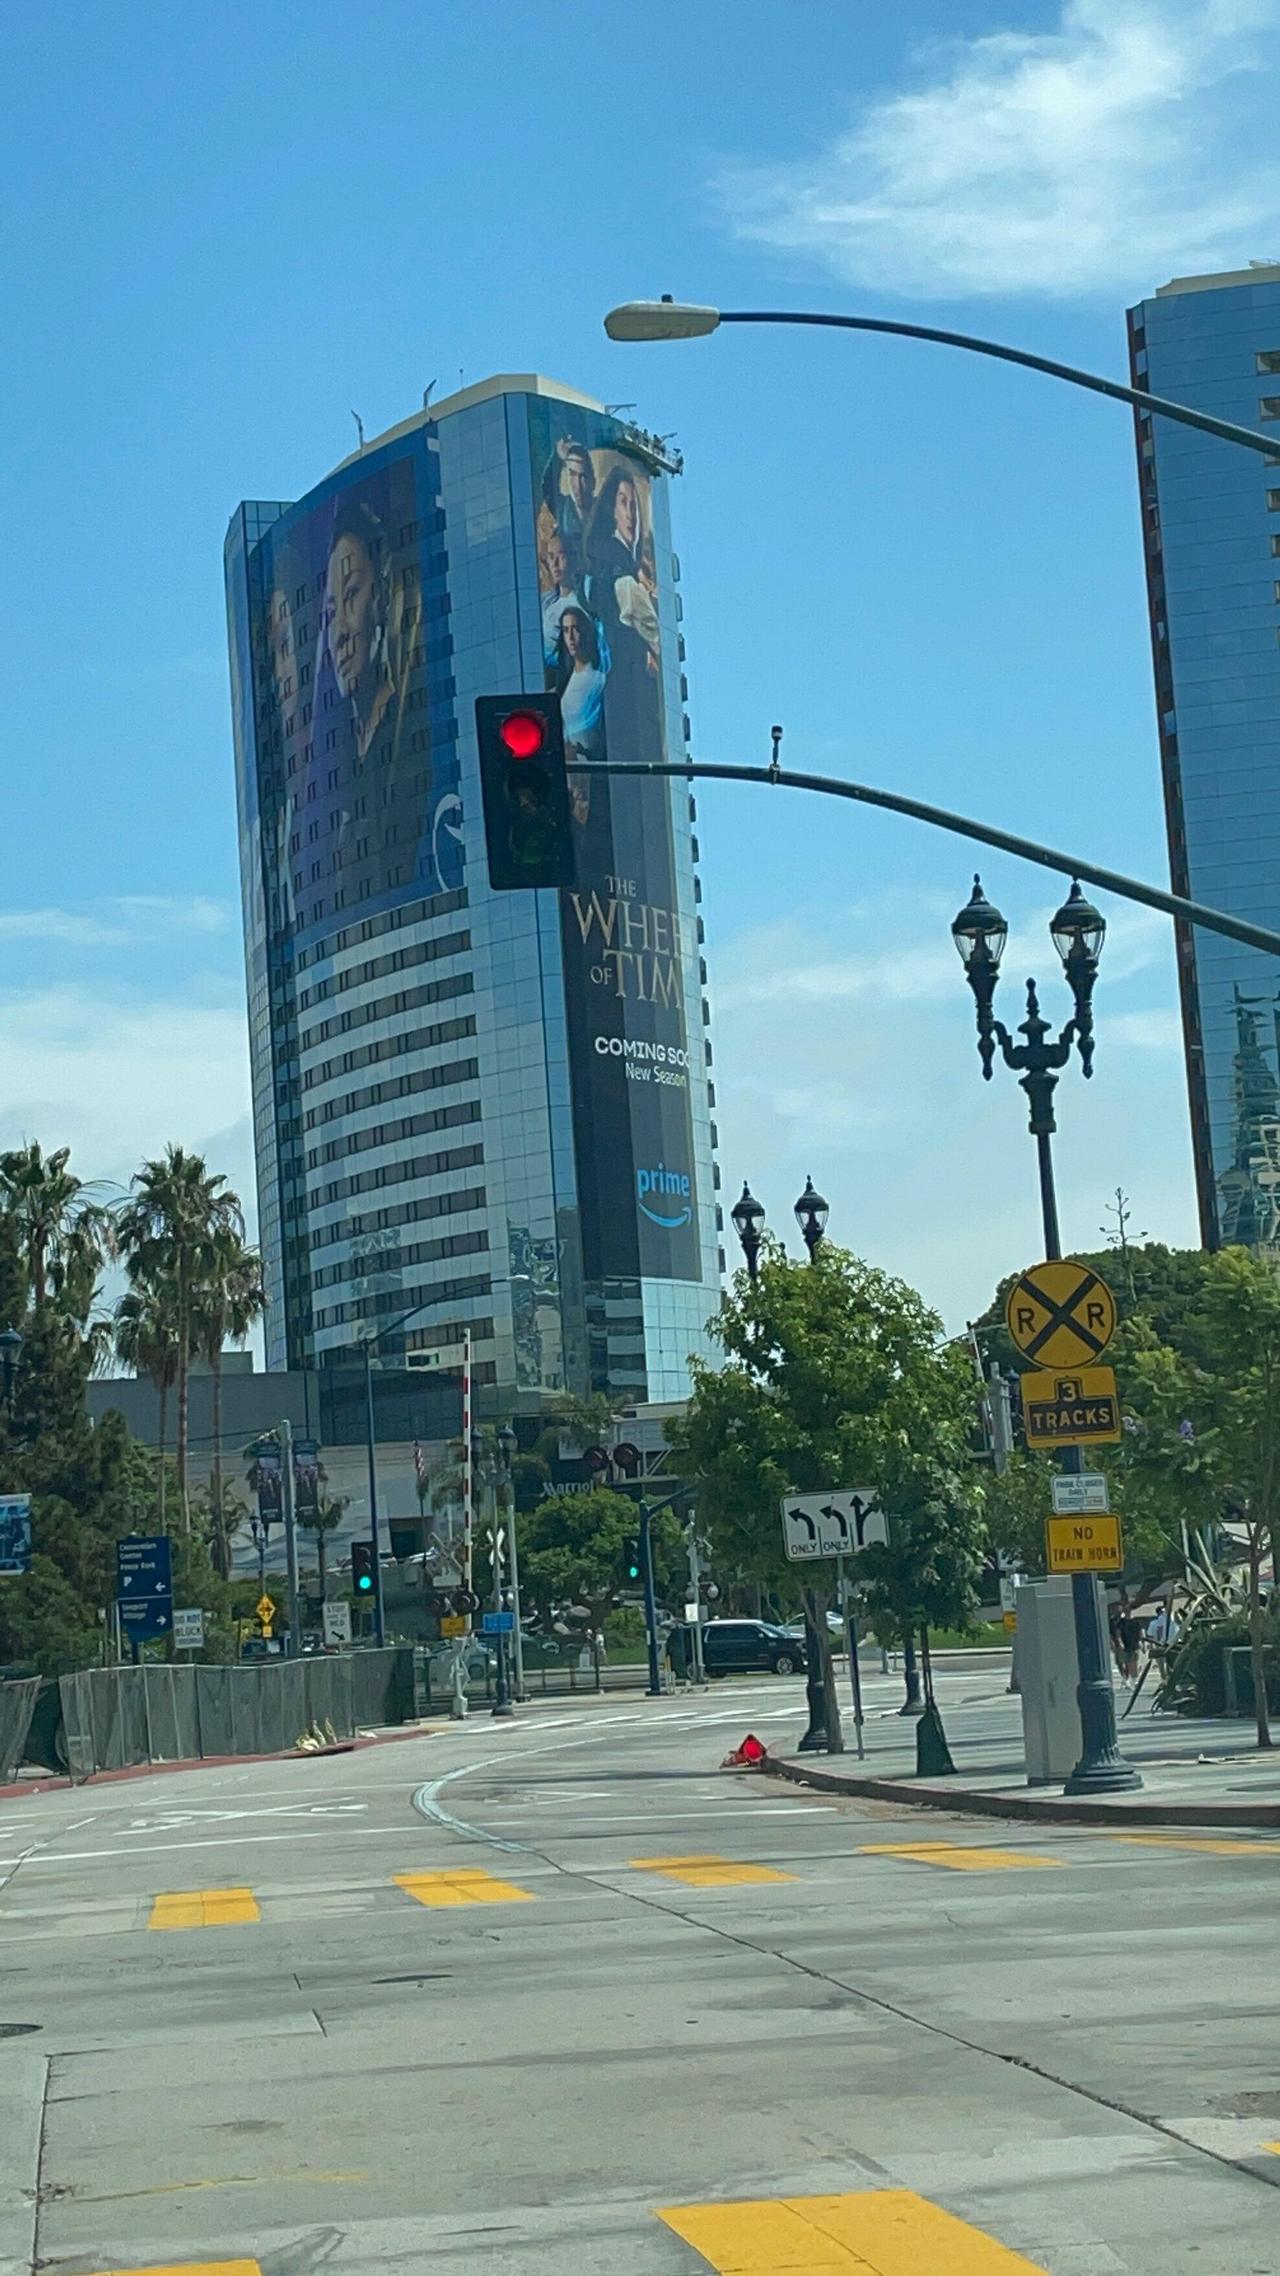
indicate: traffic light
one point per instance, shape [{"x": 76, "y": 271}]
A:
[
  {"x": 525, "y": 790},
  {"x": 362, "y": 1567},
  {"x": 631, "y": 1560}
]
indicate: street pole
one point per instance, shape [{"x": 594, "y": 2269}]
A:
[
  {"x": 290, "y": 1537},
  {"x": 502, "y": 1706},
  {"x": 650, "y": 1600},
  {"x": 506, "y": 1448},
  {"x": 695, "y": 1591},
  {"x": 1102, "y": 1769},
  {"x": 849, "y": 1615},
  {"x": 379, "y": 1620}
]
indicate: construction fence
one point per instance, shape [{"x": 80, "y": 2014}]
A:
[{"x": 116, "y": 1718}]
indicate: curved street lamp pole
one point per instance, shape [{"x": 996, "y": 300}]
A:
[{"x": 669, "y": 319}]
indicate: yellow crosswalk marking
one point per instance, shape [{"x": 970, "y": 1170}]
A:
[
  {"x": 204, "y": 1908},
  {"x": 461, "y": 1888},
  {"x": 876, "y": 2232},
  {"x": 707, "y": 1872},
  {"x": 193, "y": 2268},
  {"x": 958, "y": 1857},
  {"x": 1236, "y": 1847}
]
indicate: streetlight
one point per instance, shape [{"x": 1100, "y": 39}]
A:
[
  {"x": 748, "y": 1223},
  {"x": 370, "y": 1344},
  {"x": 669, "y": 319},
  {"x": 811, "y": 1214},
  {"x": 1077, "y": 931},
  {"x": 10, "y": 1348}
]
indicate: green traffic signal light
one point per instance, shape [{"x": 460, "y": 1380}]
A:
[{"x": 362, "y": 1567}]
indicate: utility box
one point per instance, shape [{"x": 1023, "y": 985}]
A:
[{"x": 1048, "y": 1674}]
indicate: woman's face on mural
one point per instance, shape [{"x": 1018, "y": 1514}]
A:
[
  {"x": 571, "y": 631},
  {"x": 557, "y": 562},
  {"x": 349, "y": 597},
  {"x": 626, "y": 513}
]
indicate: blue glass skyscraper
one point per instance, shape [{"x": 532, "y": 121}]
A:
[
  {"x": 1211, "y": 527},
  {"x": 493, "y": 1108}
]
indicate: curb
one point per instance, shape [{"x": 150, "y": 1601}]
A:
[
  {"x": 964, "y": 1802},
  {"x": 216, "y": 1762}
]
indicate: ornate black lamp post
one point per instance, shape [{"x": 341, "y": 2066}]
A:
[
  {"x": 748, "y": 1223},
  {"x": 812, "y": 1213},
  {"x": 1077, "y": 932}
]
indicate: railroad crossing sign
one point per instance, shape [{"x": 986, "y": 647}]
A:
[
  {"x": 1071, "y": 1410},
  {"x": 1084, "y": 1544},
  {"x": 1060, "y": 1314},
  {"x": 835, "y": 1524}
]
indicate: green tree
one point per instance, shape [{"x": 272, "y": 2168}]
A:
[
  {"x": 146, "y": 1339},
  {"x": 572, "y": 1551},
  {"x": 61, "y": 1226},
  {"x": 169, "y": 1229},
  {"x": 329, "y": 1513},
  {"x": 837, "y": 1374},
  {"x": 230, "y": 1299}
]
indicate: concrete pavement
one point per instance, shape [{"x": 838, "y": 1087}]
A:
[
  {"x": 563, "y": 1996},
  {"x": 1194, "y": 1772}
]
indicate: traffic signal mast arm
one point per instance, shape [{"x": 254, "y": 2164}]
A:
[{"x": 1026, "y": 849}]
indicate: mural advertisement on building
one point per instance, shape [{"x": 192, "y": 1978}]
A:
[
  {"x": 628, "y": 954},
  {"x": 359, "y": 806}
]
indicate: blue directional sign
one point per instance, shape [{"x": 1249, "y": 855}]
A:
[
  {"x": 144, "y": 1586},
  {"x": 497, "y": 1623},
  {"x": 15, "y": 1534}
]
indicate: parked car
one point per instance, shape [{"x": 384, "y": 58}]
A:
[{"x": 730, "y": 1647}]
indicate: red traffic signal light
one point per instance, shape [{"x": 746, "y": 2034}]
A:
[
  {"x": 524, "y": 791},
  {"x": 523, "y": 733}
]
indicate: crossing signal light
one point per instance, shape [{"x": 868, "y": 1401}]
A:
[
  {"x": 525, "y": 792},
  {"x": 362, "y": 1567},
  {"x": 631, "y": 1559}
]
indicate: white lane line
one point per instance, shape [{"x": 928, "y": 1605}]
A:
[
  {"x": 659, "y": 1818},
  {"x": 228, "y": 1841}
]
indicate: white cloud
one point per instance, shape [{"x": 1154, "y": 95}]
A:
[
  {"x": 1099, "y": 157},
  {"x": 120, "y": 922},
  {"x": 117, "y": 1077}
]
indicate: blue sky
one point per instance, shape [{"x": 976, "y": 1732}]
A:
[{"x": 236, "y": 225}]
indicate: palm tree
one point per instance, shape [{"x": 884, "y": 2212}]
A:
[
  {"x": 230, "y": 1299},
  {"x": 61, "y": 1227},
  {"x": 329, "y": 1512},
  {"x": 146, "y": 1339},
  {"x": 169, "y": 1227}
]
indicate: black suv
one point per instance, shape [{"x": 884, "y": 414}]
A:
[{"x": 750, "y": 1645}]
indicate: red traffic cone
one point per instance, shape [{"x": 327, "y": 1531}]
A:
[{"x": 750, "y": 1755}]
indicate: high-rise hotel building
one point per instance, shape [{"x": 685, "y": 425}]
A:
[{"x": 493, "y": 1110}]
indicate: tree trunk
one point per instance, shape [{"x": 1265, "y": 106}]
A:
[
  {"x": 913, "y": 1704},
  {"x": 1257, "y": 1643},
  {"x": 184, "y": 1390},
  {"x": 221, "y": 1546},
  {"x": 160, "y": 1478},
  {"x": 321, "y": 1563},
  {"x": 824, "y": 1707}
]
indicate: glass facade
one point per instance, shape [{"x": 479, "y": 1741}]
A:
[
  {"x": 1211, "y": 523},
  {"x": 497, "y": 1107}
]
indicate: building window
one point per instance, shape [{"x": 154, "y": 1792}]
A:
[
  {"x": 1268, "y": 360},
  {"x": 1269, "y": 406},
  {"x": 1273, "y": 501}
]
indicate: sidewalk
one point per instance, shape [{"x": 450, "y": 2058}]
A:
[{"x": 1202, "y": 1773}]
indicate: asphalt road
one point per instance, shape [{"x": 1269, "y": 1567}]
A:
[{"x": 560, "y": 1996}]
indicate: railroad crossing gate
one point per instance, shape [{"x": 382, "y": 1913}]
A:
[{"x": 1060, "y": 1314}]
